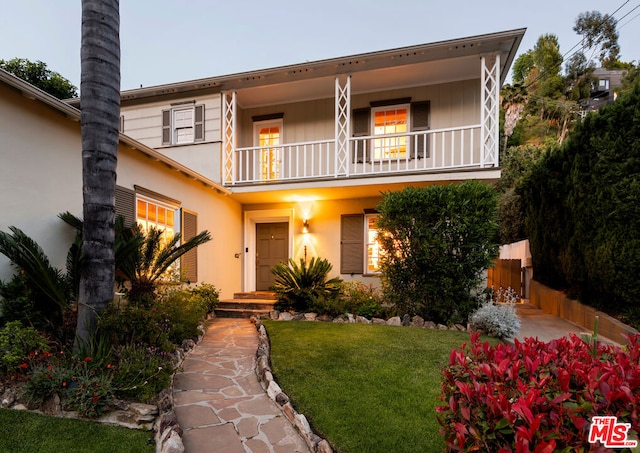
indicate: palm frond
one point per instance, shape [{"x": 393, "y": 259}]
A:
[
  {"x": 170, "y": 253},
  {"x": 25, "y": 253}
]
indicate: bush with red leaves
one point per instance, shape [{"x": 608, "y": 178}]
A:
[{"x": 535, "y": 396}]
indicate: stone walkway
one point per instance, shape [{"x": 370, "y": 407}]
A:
[{"x": 219, "y": 403}]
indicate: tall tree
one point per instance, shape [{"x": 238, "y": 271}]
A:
[
  {"x": 37, "y": 74},
  {"x": 514, "y": 98},
  {"x": 599, "y": 32},
  {"x": 100, "y": 106}
]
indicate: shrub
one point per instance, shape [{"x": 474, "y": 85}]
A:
[
  {"x": 16, "y": 342},
  {"x": 536, "y": 396},
  {"x": 497, "y": 320},
  {"x": 125, "y": 323},
  {"x": 207, "y": 294},
  {"x": 141, "y": 373},
  {"x": 182, "y": 311},
  {"x": 436, "y": 243},
  {"x": 583, "y": 208},
  {"x": 298, "y": 286}
]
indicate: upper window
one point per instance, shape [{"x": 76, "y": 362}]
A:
[
  {"x": 389, "y": 121},
  {"x": 183, "y": 125},
  {"x": 267, "y": 135}
]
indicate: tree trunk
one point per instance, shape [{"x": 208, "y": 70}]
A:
[{"x": 100, "y": 106}]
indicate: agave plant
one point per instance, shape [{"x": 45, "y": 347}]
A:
[{"x": 298, "y": 286}]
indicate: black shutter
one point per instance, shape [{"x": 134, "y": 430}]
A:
[
  {"x": 352, "y": 244},
  {"x": 361, "y": 119},
  {"x": 199, "y": 123},
  {"x": 166, "y": 127},
  {"x": 126, "y": 205},
  {"x": 189, "y": 261},
  {"x": 420, "y": 112}
]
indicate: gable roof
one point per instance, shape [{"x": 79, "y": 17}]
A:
[{"x": 73, "y": 114}]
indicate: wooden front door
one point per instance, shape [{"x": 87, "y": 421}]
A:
[{"x": 272, "y": 241}]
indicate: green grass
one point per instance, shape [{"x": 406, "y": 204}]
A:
[
  {"x": 365, "y": 388},
  {"x": 26, "y": 432}
]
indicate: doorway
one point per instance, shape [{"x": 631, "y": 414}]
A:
[{"x": 272, "y": 247}]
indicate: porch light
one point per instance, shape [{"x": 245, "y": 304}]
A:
[{"x": 305, "y": 227}]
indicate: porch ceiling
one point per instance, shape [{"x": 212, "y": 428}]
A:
[{"x": 340, "y": 189}]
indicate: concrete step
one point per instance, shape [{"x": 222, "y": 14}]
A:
[
  {"x": 245, "y": 305},
  {"x": 266, "y": 295}
]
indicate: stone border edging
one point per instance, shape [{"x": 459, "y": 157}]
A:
[
  {"x": 263, "y": 370},
  {"x": 168, "y": 435}
]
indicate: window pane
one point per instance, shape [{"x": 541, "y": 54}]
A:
[
  {"x": 373, "y": 247},
  {"x": 170, "y": 218},
  {"x": 151, "y": 215},
  {"x": 142, "y": 209},
  {"x": 162, "y": 217},
  {"x": 387, "y": 122}
]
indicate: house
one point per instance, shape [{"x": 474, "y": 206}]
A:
[
  {"x": 41, "y": 177},
  {"x": 288, "y": 162},
  {"x": 605, "y": 90}
]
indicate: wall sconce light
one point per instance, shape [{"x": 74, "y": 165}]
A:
[{"x": 305, "y": 227}]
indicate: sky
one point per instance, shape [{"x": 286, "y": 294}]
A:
[{"x": 166, "y": 41}]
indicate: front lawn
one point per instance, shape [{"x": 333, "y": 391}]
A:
[
  {"x": 26, "y": 432},
  {"x": 365, "y": 388}
]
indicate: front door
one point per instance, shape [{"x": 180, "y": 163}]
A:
[{"x": 271, "y": 248}]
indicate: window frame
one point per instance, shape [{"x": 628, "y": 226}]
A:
[
  {"x": 269, "y": 174},
  {"x": 169, "y": 124},
  {"x": 172, "y": 207},
  {"x": 384, "y": 149},
  {"x": 368, "y": 245}
]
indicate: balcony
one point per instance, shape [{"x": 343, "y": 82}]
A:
[{"x": 439, "y": 150}]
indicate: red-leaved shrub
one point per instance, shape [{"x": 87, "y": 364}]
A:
[{"x": 535, "y": 396}]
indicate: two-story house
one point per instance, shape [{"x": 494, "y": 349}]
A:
[{"x": 304, "y": 152}]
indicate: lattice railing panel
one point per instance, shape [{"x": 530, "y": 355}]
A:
[
  {"x": 343, "y": 119},
  {"x": 229, "y": 128},
  {"x": 490, "y": 100}
]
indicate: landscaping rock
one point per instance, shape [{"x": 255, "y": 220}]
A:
[
  {"x": 340, "y": 319},
  {"x": 351, "y": 319},
  {"x": 274, "y": 314},
  {"x": 460, "y": 327},
  {"x": 324, "y": 318},
  {"x": 395, "y": 321},
  {"x": 273, "y": 390},
  {"x": 429, "y": 325},
  {"x": 442, "y": 327},
  {"x": 378, "y": 321},
  {"x": 298, "y": 317},
  {"x": 8, "y": 397},
  {"x": 362, "y": 320},
  {"x": 285, "y": 316},
  {"x": 143, "y": 409},
  {"x": 52, "y": 406},
  {"x": 188, "y": 345},
  {"x": 310, "y": 316},
  {"x": 324, "y": 447},
  {"x": 406, "y": 320},
  {"x": 282, "y": 398},
  {"x": 417, "y": 321}
]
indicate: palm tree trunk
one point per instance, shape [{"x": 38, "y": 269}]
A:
[{"x": 100, "y": 106}]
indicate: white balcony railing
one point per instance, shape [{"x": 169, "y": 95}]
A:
[{"x": 426, "y": 151}]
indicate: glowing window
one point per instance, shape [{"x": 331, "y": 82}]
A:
[
  {"x": 388, "y": 121},
  {"x": 269, "y": 136},
  {"x": 152, "y": 214},
  {"x": 373, "y": 247}
]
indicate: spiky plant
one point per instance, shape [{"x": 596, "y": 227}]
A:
[
  {"x": 298, "y": 285},
  {"x": 49, "y": 290}
]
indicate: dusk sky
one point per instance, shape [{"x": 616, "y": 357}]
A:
[{"x": 165, "y": 41}]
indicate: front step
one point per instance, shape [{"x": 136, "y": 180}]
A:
[{"x": 246, "y": 305}]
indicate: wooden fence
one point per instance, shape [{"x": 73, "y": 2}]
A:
[{"x": 506, "y": 274}]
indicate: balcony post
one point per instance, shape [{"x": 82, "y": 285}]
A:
[
  {"x": 489, "y": 114},
  {"x": 229, "y": 128},
  {"x": 342, "y": 125}
]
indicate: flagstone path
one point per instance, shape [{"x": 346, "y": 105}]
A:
[{"x": 218, "y": 401}]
